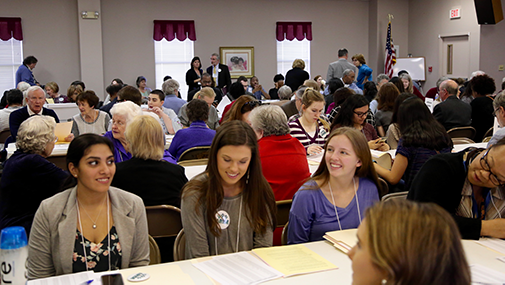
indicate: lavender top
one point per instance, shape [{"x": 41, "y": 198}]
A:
[
  {"x": 312, "y": 215},
  {"x": 120, "y": 154}
]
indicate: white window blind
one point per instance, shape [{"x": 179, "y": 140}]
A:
[
  {"x": 11, "y": 57},
  {"x": 288, "y": 51},
  {"x": 173, "y": 58}
]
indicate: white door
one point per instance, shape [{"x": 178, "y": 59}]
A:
[{"x": 456, "y": 56}]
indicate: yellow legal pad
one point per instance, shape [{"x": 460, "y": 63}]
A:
[{"x": 293, "y": 259}]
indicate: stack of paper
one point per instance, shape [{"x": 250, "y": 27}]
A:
[
  {"x": 294, "y": 259},
  {"x": 494, "y": 244},
  {"x": 342, "y": 240},
  {"x": 484, "y": 275}
]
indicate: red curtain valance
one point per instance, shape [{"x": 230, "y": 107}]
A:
[
  {"x": 292, "y": 30},
  {"x": 174, "y": 29},
  {"x": 11, "y": 27}
]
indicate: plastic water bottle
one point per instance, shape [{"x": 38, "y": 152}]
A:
[{"x": 13, "y": 255}]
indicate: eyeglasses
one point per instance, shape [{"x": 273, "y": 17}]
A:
[
  {"x": 361, "y": 115},
  {"x": 496, "y": 111},
  {"x": 485, "y": 165}
]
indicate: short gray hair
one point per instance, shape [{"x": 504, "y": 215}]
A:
[
  {"x": 347, "y": 72},
  {"x": 441, "y": 79},
  {"x": 33, "y": 89},
  {"x": 499, "y": 100},
  {"x": 216, "y": 55},
  {"x": 270, "y": 119},
  {"x": 35, "y": 133},
  {"x": 476, "y": 73},
  {"x": 300, "y": 91},
  {"x": 382, "y": 76},
  {"x": 170, "y": 86},
  {"x": 284, "y": 92},
  {"x": 128, "y": 109}
]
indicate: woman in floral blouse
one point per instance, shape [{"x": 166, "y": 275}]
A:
[{"x": 90, "y": 226}]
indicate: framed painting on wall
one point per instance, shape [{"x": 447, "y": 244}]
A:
[{"x": 240, "y": 60}]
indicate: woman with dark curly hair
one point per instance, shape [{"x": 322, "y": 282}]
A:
[
  {"x": 198, "y": 134},
  {"x": 482, "y": 106}
]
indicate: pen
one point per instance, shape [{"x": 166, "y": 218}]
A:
[{"x": 87, "y": 282}]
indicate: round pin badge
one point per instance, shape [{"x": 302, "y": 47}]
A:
[
  {"x": 138, "y": 277},
  {"x": 223, "y": 219}
]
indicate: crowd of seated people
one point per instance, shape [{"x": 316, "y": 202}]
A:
[{"x": 118, "y": 162}]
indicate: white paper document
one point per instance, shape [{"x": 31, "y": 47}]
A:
[
  {"x": 238, "y": 268},
  {"x": 484, "y": 275},
  {"x": 494, "y": 244},
  {"x": 68, "y": 279}
]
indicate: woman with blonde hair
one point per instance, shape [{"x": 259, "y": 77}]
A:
[
  {"x": 310, "y": 128},
  {"x": 342, "y": 188},
  {"x": 146, "y": 144},
  {"x": 52, "y": 90},
  {"x": 74, "y": 91},
  {"x": 392, "y": 250},
  {"x": 230, "y": 207},
  {"x": 296, "y": 76}
]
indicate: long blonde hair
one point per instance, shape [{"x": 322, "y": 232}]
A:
[
  {"x": 415, "y": 243},
  {"x": 310, "y": 95}
]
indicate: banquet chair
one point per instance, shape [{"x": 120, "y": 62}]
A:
[
  {"x": 197, "y": 152},
  {"x": 284, "y": 238},
  {"x": 283, "y": 208},
  {"x": 4, "y": 135},
  {"x": 193, "y": 162},
  {"x": 385, "y": 188},
  {"x": 462, "y": 141},
  {"x": 163, "y": 220},
  {"x": 397, "y": 195},
  {"x": 462, "y": 132},
  {"x": 486, "y": 139},
  {"x": 489, "y": 133},
  {"x": 154, "y": 252},
  {"x": 180, "y": 246}
]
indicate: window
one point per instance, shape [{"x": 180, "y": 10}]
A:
[
  {"x": 173, "y": 58},
  {"x": 288, "y": 51},
  {"x": 11, "y": 57}
]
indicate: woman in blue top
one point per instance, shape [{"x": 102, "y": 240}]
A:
[
  {"x": 421, "y": 137},
  {"x": 342, "y": 188},
  {"x": 364, "y": 72}
]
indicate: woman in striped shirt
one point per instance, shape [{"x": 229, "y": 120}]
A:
[{"x": 309, "y": 127}]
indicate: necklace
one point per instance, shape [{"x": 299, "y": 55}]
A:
[
  {"x": 94, "y": 227},
  {"x": 86, "y": 212},
  {"x": 335, "y": 207}
]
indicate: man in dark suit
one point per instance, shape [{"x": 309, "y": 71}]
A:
[
  {"x": 452, "y": 112},
  {"x": 219, "y": 72},
  {"x": 35, "y": 100}
]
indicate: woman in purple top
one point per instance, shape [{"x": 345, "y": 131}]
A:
[
  {"x": 342, "y": 188},
  {"x": 198, "y": 134},
  {"x": 122, "y": 114},
  {"x": 311, "y": 129},
  {"x": 422, "y": 137}
]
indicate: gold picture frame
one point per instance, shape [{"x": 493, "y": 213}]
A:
[{"x": 240, "y": 60}]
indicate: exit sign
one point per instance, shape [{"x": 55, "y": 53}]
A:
[{"x": 455, "y": 13}]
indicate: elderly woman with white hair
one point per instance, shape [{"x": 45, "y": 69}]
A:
[
  {"x": 285, "y": 95},
  {"x": 279, "y": 149},
  {"x": 28, "y": 177},
  {"x": 122, "y": 114}
]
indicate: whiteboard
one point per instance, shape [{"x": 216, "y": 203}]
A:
[{"x": 414, "y": 65}]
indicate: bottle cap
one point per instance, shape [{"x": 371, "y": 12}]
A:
[{"x": 13, "y": 238}]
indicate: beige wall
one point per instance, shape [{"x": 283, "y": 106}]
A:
[
  {"x": 51, "y": 34},
  {"x": 492, "y": 43},
  {"x": 128, "y": 27},
  {"x": 378, "y": 30},
  {"x": 430, "y": 18}
]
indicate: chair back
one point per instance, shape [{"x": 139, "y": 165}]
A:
[
  {"x": 154, "y": 252},
  {"x": 283, "y": 208},
  {"x": 163, "y": 220},
  {"x": 180, "y": 246},
  {"x": 197, "y": 152},
  {"x": 284, "y": 237},
  {"x": 193, "y": 162},
  {"x": 462, "y": 132},
  {"x": 397, "y": 195},
  {"x": 486, "y": 139},
  {"x": 489, "y": 133},
  {"x": 384, "y": 188},
  {"x": 461, "y": 141},
  {"x": 4, "y": 135}
]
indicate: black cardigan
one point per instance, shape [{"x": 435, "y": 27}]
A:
[{"x": 441, "y": 181}]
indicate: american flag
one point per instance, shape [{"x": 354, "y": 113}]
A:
[{"x": 390, "y": 54}]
